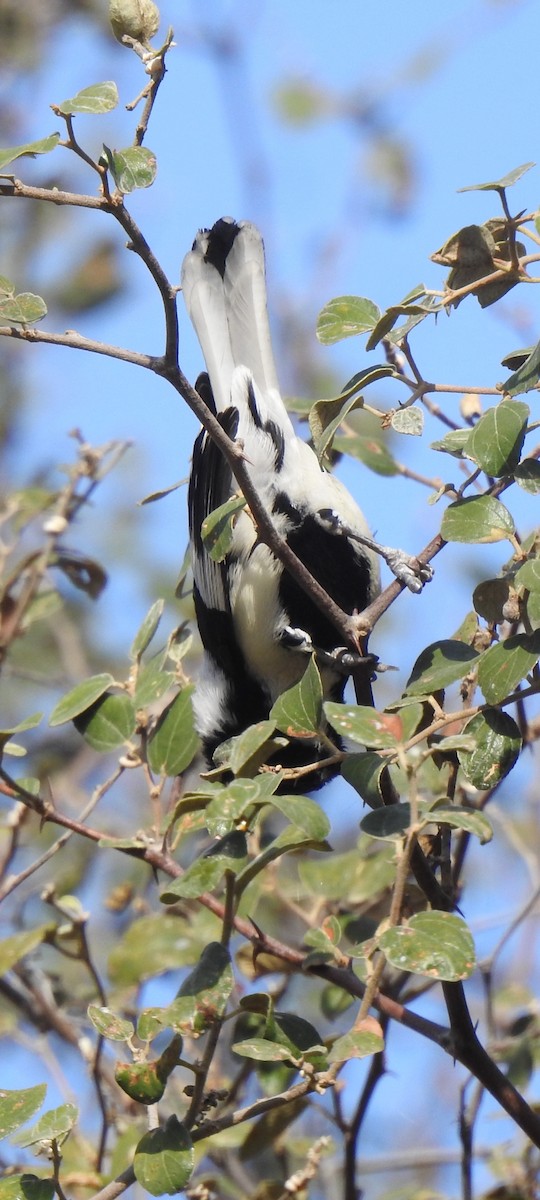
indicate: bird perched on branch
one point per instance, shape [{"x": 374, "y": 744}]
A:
[{"x": 257, "y": 624}]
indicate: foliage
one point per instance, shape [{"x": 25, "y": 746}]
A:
[{"x": 253, "y": 893}]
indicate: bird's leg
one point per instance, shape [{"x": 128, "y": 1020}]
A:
[{"x": 407, "y": 568}]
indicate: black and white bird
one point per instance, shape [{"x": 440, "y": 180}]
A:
[{"x": 257, "y": 625}]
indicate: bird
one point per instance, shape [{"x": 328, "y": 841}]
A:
[{"x": 258, "y": 627}]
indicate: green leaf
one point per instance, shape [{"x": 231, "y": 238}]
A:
[
  {"x": 477, "y": 519},
  {"x": 108, "y": 723},
  {"x": 297, "y": 713},
  {"x": 372, "y": 452},
  {"x": 528, "y": 575},
  {"x": 363, "y": 772},
  {"x": 408, "y": 420},
  {"x": 24, "y": 309},
  {"x": 387, "y": 320},
  {"x": 346, "y": 316},
  {"x": 462, "y": 818},
  {"x": 218, "y": 527},
  {"x": 359, "y": 1043},
  {"x": 526, "y": 377},
  {"x": 18, "y": 1106},
  {"x": 227, "y": 805},
  {"x": 52, "y": 1126},
  {"x": 151, "y": 945},
  {"x": 202, "y": 998},
  {"x": 388, "y": 824},
  {"x": 164, "y": 1159},
  {"x": 243, "y": 751},
  {"x": 453, "y": 442},
  {"x": 30, "y": 722},
  {"x": 30, "y": 148},
  {"x": 174, "y": 743},
  {"x": 141, "y": 1081},
  {"x": 146, "y": 631},
  {"x": 325, "y": 418},
  {"x": 204, "y": 873},
  {"x": 527, "y": 474},
  {"x": 262, "y": 1050},
  {"x": 504, "y": 665},
  {"x": 438, "y": 665},
  {"x": 13, "y": 948},
  {"x": 80, "y": 698},
  {"x": 490, "y": 598},
  {"x": 498, "y": 746},
  {"x": 436, "y": 944},
  {"x": 496, "y": 441},
  {"x": 26, "y": 1187},
  {"x": 299, "y": 1035},
  {"x": 132, "y": 168},
  {"x": 305, "y": 814},
  {"x": 360, "y": 874},
  {"x": 110, "y": 1024},
  {"x": 362, "y": 724},
  {"x": 498, "y": 184},
  {"x": 152, "y": 681},
  {"x": 98, "y": 98}
]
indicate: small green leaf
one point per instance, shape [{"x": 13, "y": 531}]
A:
[
  {"x": 490, "y": 598},
  {"x": 363, "y": 772},
  {"x": 203, "y": 995},
  {"x": 205, "y": 873},
  {"x": 152, "y": 680},
  {"x": 305, "y": 814},
  {"x": 388, "y": 824},
  {"x": 18, "y": 1106},
  {"x": 218, "y": 527},
  {"x": 372, "y": 452},
  {"x": 504, "y": 665},
  {"x": 244, "y": 750},
  {"x": 146, "y": 631},
  {"x": 174, "y": 743},
  {"x": 151, "y": 945},
  {"x": 31, "y": 149},
  {"x": 297, "y": 713},
  {"x": 98, "y": 98},
  {"x": 80, "y": 698},
  {"x": 109, "y": 1024},
  {"x": 528, "y": 576},
  {"x": 132, "y": 168},
  {"x": 108, "y": 723},
  {"x": 24, "y": 309},
  {"x": 408, "y": 420},
  {"x": 26, "y": 1187},
  {"x": 30, "y": 722},
  {"x": 438, "y": 665},
  {"x": 496, "y": 441},
  {"x": 453, "y": 442},
  {"x": 359, "y": 1043},
  {"x": 496, "y": 186},
  {"x": 13, "y": 948},
  {"x": 141, "y": 1081},
  {"x": 52, "y": 1126},
  {"x": 462, "y": 818},
  {"x": 164, "y": 1159},
  {"x": 527, "y": 474},
  {"x": 262, "y": 1050},
  {"x": 477, "y": 519},
  {"x": 436, "y": 944},
  {"x": 346, "y": 316},
  {"x": 526, "y": 377},
  {"x": 362, "y": 724}
]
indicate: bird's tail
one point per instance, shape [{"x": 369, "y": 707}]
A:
[{"x": 223, "y": 280}]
